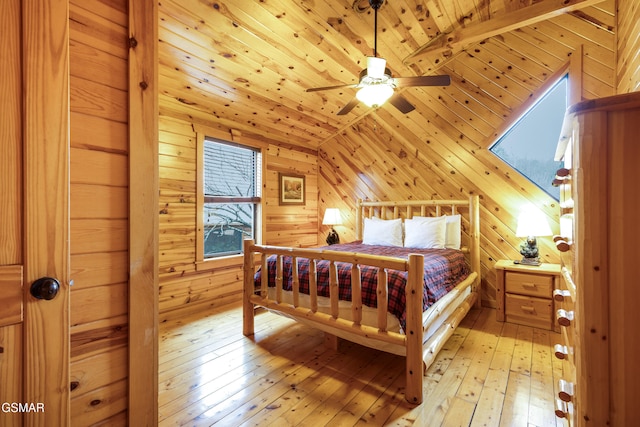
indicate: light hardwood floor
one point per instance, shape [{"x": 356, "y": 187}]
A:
[{"x": 488, "y": 374}]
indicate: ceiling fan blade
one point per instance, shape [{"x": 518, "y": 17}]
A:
[
  {"x": 442, "y": 80},
  {"x": 347, "y": 108},
  {"x": 316, "y": 89},
  {"x": 401, "y": 103}
]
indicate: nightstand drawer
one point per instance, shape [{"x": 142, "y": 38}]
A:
[
  {"x": 536, "y": 285},
  {"x": 531, "y": 311}
]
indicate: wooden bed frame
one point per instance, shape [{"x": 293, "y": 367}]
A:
[{"x": 426, "y": 332}]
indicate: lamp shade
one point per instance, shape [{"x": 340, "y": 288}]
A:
[
  {"x": 532, "y": 222},
  {"x": 374, "y": 95},
  {"x": 331, "y": 217}
]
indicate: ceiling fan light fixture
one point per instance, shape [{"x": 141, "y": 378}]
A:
[{"x": 374, "y": 95}]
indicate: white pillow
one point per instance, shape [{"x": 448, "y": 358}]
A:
[
  {"x": 425, "y": 232},
  {"x": 382, "y": 232},
  {"x": 452, "y": 238},
  {"x": 453, "y": 230}
]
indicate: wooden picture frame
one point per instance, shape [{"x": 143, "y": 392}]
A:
[{"x": 291, "y": 189}]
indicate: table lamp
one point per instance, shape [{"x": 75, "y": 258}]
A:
[
  {"x": 332, "y": 217},
  {"x": 531, "y": 224}
]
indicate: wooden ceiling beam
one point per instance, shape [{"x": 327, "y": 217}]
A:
[{"x": 448, "y": 44}]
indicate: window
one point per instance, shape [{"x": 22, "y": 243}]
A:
[
  {"x": 529, "y": 145},
  {"x": 231, "y": 188}
]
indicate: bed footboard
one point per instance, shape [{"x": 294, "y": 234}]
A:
[{"x": 378, "y": 337}]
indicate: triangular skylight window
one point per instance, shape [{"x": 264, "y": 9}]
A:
[{"x": 529, "y": 145}]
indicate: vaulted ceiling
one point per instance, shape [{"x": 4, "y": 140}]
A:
[{"x": 245, "y": 65}]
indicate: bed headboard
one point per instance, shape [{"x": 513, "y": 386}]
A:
[{"x": 468, "y": 209}]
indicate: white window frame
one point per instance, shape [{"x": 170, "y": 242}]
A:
[{"x": 203, "y": 133}]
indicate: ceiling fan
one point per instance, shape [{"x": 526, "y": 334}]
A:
[{"x": 376, "y": 84}]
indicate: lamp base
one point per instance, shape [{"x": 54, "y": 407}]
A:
[
  {"x": 528, "y": 261},
  {"x": 333, "y": 237}
]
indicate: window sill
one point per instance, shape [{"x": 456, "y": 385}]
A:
[{"x": 220, "y": 263}]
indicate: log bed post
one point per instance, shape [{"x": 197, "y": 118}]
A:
[
  {"x": 414, "y": 364},
  {"x": 474, "y": 245},
  {"x": 247, "y": 305},
  {"x": 359, "y": 221}
]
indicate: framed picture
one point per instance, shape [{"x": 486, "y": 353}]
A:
[{"x": 291, "y": 189}]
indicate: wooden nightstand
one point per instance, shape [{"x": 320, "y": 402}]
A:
[{"x": 525, "y": 294}]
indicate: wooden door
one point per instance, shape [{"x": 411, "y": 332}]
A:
[{"x": 34, "y": 212}]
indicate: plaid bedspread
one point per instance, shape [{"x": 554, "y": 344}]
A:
[{"x": 443, "y": 270}]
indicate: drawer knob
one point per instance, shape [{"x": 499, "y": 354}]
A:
[
  {"x": 563, "y": 409},
  {"x": 564, "y": 317},
  {"x": 562, "y": 244},
  {"x": 561, "y": 295},
  {"x": 565, "y": 392},
  {"x": 561, "y": 351}
]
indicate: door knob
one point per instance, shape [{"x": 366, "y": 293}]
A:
[{"x": 45, "y": 288}]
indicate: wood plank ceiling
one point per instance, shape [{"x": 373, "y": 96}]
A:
[{"x": 245, "y": 65}]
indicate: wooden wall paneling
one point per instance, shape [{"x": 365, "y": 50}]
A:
[
  {"x": 99, "y": 370},
  {"x": 98, "y": 100},
  {"x": 518, "y": 64},
  {"x": 97, "y": 269},
  {"x": 100, "y": 302},
  {"x": 503, "y": 98},
  {"x": 291, "y": 225},
  {"x": 502, "y": 78},
  {"x": 92, "y": 236},
  {"x": 511, "y": 62},
  {"x": 90, "y": 132},
  {"x": 176, "y": 202},
  {"x": 93, "y": 338},
  {"x": 104, "y": 33},
  {"x": 470, "y": 97},
  {"x": 93, "y": 201},
  {"x": 100, "y": 404},
  {"x": 99, "y": 205},
  {"x": 591, "y": 32},
  {"x": 93, "y": 166},
  {"x": 556, "y": 30},
  {"x": 195, "y": 284},
  {"x": 218, "y": 288},
  {"x": 114, "y": 11},
  {"x": 91, "y": 64},
  {"x": 628, "y": 47},
  {"x": 438, "y": 107}
]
